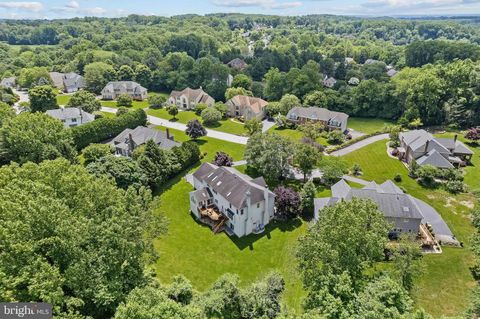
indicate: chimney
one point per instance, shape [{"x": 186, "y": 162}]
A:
[
  {"x": 266, "y": 216},
  {"x": 455, "y": 139},
  {"x": 426, "y": 146},
  {"x": 249, "y": 202},
  {"x": 131, "y": 147}
]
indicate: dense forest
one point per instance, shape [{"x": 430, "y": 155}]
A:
[{"x": 437, "y": 59}]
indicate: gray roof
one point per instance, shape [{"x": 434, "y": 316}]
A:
[
  {"x": 141, "y": 135},
  {"x": 71, "y": 113},
  {"x": 8, "y": 82},
  {"x": 316, "y": 113},
  {"x": 192, "y": 95},
  {"x": 68, "y": 81},
  {"x": 232, "y": 185},
  {"x": 391, "y": 200},
  {"x": 434, "y": 158},
  {"x": 124, "y": 86},
  {"x": 455, "y": 145}
]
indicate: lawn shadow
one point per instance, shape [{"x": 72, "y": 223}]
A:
[{"x": 173, "y": 120}]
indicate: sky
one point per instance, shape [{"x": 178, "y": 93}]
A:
[{"x": 54, "y": 9}]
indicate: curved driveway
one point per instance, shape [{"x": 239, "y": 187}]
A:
[{"x": 358, "y": 145}]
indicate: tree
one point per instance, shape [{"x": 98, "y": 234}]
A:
[
  {"x": 123, "y": 170},
  {"x": 287, "y": 202},
  {"x": 222, "y": 108},
  {"x": 288, "y": 102},
  {"x": 307, "y": 196},
  {"x": 124, "y": 100},
  {"x": 200, "y": 107},
  {"x": 125, "y": 73},
  {"x": 416, "y": 123},
  {"x": 75, "y": 233},
  {"x": 242, "y": 81},
  {"x": 306, "y": 157},
  {"x": 273, "y": 109},
  {"x": 311, "y": 130},
  {"x": 274, "y": 84},
  {"x": 94, "y": 152},
  {"x": 263, "y": 299},
  {"x": 222, "y": 159},
  {"x": 223, "y": 300},
  {"x": 172, "y": 110},
  {"x": 325, "y": 249},
  {"x": 30, "y": 77},
  {"x": 281, "y": 121},
  {"x": 6, "y": 113},
  {"x": 42, "y": 98},
  {"x": 269, "y": 154},
  {"x": 253, "y": 126},
  {"x": 426, "y": 175},
  {"x": 97, "y": 75},
  {"x": 86, "y": 100},
  {"x": 316, "y": 98},
  {"x": 332, "y": 169},
  {"x": 407, "y": 261},
  {"x": 195, "y": 129},
  {"x": 35, "y": 137},
  {"x": 143, "y": 75},
  {"x": 121, "y": 111},
  {"x": 233, "y": 91},
  {"x": 211, "y": 116},
  {"x": 156, "y": 164},
  {"x": 156, "y": 101}
]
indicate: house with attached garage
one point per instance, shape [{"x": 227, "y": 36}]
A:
[
  {"x": 188, "y": 98},
  {"x": 248, "y": 107},
  {"x": 127, "y": 141},
  {"x": 67, "y": 82},
  {"x": 424, "y": 148},
  {"x": 113, "y": 90},
  {"x": 71, "y": 116},
  {"x": 330, "y": 119},
  {"x": 228, "y": 200}
]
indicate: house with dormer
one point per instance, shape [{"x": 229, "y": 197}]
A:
[
  {"x": 113, "y": 90},
  {"x": 230, "y": 201},
  {"x": 330, "y": 119},
  {"x": 188, "y": 98}
]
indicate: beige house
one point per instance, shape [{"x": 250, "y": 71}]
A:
[
  {"x": 114, "y": 89},
  {"x": 330, "y": 119},
  {"x": 247, "y": 107},
  {"x": 237, "y": 64},
  {"x": 188, "y": 98}
]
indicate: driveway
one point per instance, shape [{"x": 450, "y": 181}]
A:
[
  {"x": 266, "y": 125},
  {"x": 182, "y": 127},
  {"x": 358, "y": 145},
  {"x": 23, "y": 95}
]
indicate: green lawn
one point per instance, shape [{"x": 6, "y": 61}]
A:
[
  {"x": 227, "y": 125},
  {"x": 294, "y": 135},
  {"x": 444, "y": 287},
  {"x": 191, "y": 249},
  {"x": 135, "y": 104},
  {"x": 367, "y": 125},
  {"x": 62, "y": 99},
  {"x": 209, "y": 146}
]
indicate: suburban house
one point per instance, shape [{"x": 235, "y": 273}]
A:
[
  {"x": 332, "y": 120},
  {"x": 400, "y": 210},
  {"x": 189, "y": 98},
  {"x": 10, "y": 82},
  {"x": 354, "y": 81},
  {"x": 392, "y": 72},
  {"x": 226, "y": 199},
  {"x": 329, "y": 82},
  {"x": 237, "y": 64},
  {"x": 247, "y": 107},
  {"x": 127, "y": 141},
  {"x": 424, "y": 148},
  {"x": 67, "y": 82},
  {"x": 113, "y": 89},
  {"x": 71, "y": 116}
]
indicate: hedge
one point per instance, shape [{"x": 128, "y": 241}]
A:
[
  {"x": 105, "y": 128},
  {"x": 352, "y": 141}
]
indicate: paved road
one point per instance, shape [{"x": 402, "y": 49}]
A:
[
  {"x": 359, "y": 145},
  {"x": 182, "y": 127},
  {"x": 239, "y": 163},
  {"x": 267, "y": 125},
  {"x": 23, "y": 95}
]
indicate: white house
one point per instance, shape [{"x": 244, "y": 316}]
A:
[
  {"x": 188, "y": 98},
  {"x": 228, "y": 200},
  {"x": 71, "y": 116},
  {"x": 67, "y": 82},
  {"x": 114, "y": 89}
]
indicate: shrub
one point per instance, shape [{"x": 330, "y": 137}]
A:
[
  {"x": 222, "y": 108},
  {"x": 105, "y": 128},
  {"x": 397, "y": 178},
  {"x": 222, "y": 159},
  {"x": 455, "y": 187},
  {"x": 356, "y": 169},
  {"x": 195, "y": 129},
  {"x": 94, "y": 152},
  {"x": 200, "y": 107},
  {"x": 426, "y": 175},
  {"x": 335, "y": 137},
  {"x": 122, "y": 110},
  {"x": 124, "y": 100},
  {"x": 156, "y": 101},
  {"x": 172, "y": 110},
  {"x": 211, "y": 116}
]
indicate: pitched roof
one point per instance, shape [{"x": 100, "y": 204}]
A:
[
  {"x": 256, "y": 104},
  {"x": 391, "y": 200},
  {"x": 434, "y": 158},
  {"x": 71, "y": 113},
  {"x": 141, "y": 135},
  {"x": 237, "y": 63},
  {"x": 417, "y": 140},
  {"x": 232, "y": 185},
  {"x": 8, "y": 81},
  {"x": 124, "y": 85},
  {"x": 457, "y": 146},
  {"x": 192, "y": 94},
  {"x": 316, "y": 113}
]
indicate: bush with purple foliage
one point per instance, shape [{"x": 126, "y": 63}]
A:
[
  {"x": 222, "y": 159},
  {"x": 287, "y": 202}
]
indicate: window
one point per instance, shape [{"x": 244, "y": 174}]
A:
[
  {"x": 258, "y": 205},
  {"x": 241, "y": 212},
  {"x": 74, "y": 120},
  {"x": 230, "y": 205}
]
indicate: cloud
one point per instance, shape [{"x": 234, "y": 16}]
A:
[
  {"x": 29, "y": 6},
  {"x": 410, "y": 6},
  {"x": 73, "y": 8},
  {"x": 266, "y": 4}
]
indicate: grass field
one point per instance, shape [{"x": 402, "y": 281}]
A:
[
  {"x": 444, "y": 287},
  {"x": 135, "y": 104},
  {"x": 294, "y": 135},
  {"x": 227, "y": 125},
  {"x": 62, "y": 99},
  {"x": 367, "y": 125}
]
